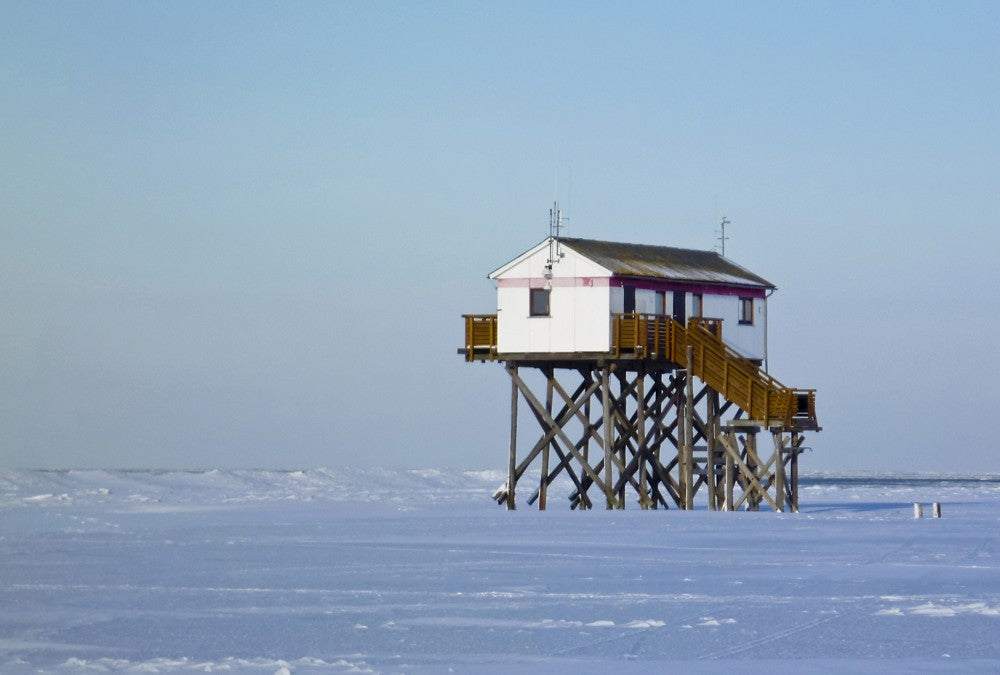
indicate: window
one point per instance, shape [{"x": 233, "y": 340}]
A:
[
  {"x": 540, "y": 301},
  {"x": 629, "y": 299},
  {"x": 696, "y": 304},
  {"x": 746, "y": 310}
]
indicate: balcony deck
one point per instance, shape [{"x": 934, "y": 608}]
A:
[{"x": 661, "y": 341}]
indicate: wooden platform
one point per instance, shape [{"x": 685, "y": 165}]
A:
[{"x": 631, "y": 422}]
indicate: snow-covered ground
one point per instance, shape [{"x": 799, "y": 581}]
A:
[{"x": 418, "y": 571}]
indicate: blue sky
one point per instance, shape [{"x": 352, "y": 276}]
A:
[{"x": 243, "y": 234}]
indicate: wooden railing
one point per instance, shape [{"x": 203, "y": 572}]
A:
[
  {"x": 715, "y": 363},
  {"x": 480, "y": 336},
  {"x": 658, "y": 337}
]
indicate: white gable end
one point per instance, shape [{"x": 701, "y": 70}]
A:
[
  {"x": 533, "y": 263},
  {"x": 577, "y": 292}
]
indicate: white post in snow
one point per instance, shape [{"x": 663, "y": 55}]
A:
[
  {"x": 937, "y": 509},
  {"x": 918, "y": 510}
]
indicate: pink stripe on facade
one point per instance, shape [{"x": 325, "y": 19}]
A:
[
  {"x": 644, "y": 284},
  {"x": 703, "y": 288},
  {"x": 556, "y": 282}
]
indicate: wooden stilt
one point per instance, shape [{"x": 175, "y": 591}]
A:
[
  {"x": 607, "y": 430},
  {"x": 730, "y": 469},
  {"x": 713, "y": 432},
  {"x": 689, "y": 433},
  {"x": 622, "y": 440},
  {"x": 796, "y": 444},
  {"x": 644, "y": 500},
  {"x": 512, "y": 464},
  {"x": 658, "y": 437},
  {"x": 678, "y": 441},
  {"x": 750, "y": 452},
  {"x": 543, "y": 487},
  {"x": 657, "y": 415},
  {"x": 779, "y": 469}
]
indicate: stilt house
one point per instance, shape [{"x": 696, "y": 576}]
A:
[{"x": 632, "y": 327}]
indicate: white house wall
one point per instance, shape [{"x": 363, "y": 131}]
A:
[
  {"x": 748, "y": 340},
  {"x": 578, "y": 318}
]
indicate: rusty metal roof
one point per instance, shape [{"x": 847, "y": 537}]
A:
[{"x": 665, "y": 262}]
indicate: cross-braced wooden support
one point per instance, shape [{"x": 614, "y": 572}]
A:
[{"x": 621, "y": 430}]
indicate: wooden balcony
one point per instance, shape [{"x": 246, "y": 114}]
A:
[
  {"x": 480, "y": 337},
  {"x": 661, "y": 339}
]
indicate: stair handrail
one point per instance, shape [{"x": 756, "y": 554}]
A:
[{"x": 760, "y": 394}]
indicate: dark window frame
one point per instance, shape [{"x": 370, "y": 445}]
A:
[
  {"x": 535, "y": 297},
  {"x": 697, "y": 305},
  {"x": 661, "y": 302},
  {"x": 746, "y": 311}
]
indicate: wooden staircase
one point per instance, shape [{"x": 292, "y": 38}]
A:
[
  {"x": 663, "y": 339},
  {"x": 716, "y": 364}
]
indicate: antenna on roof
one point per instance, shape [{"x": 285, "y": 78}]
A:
[
  {"x": 722, "y": 234},
  {"x": 555, "y": 230}
]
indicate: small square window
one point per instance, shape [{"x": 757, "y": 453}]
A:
[
  {"x": 746, "y": 310},
  {"x": 540, "y": 301}
]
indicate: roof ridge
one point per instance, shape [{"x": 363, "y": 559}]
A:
[{"x": 626, "y": 243}]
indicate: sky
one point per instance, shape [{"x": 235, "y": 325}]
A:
[{"x": 243, "y": 234}]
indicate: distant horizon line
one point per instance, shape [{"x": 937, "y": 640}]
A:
[{"x": 810, "y": 475}]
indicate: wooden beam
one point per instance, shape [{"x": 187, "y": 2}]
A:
[
  {"x": 779, "y": 469},
  {"x": 689, "y": 433},
  {"x": 543, "y": 485},
  {"x": 797, "y": 440},
  {"x": 730, "y": 453},
  {"x": 640, "y": 398},
  {"x": 512, "y": 463},
  {"x": 565, "y": 460},
  {"x": 752, "y": 487},
  {"x": 539, "y": 408},
  {"x": 608, "y": 430},
  {"x": 622, "y": 440},
  {"x": 713, "y": 430},
  {"x": 568, "y": 411},
  {"x": 627, "y": 427},
  {"x": 571, "y": 407}
]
